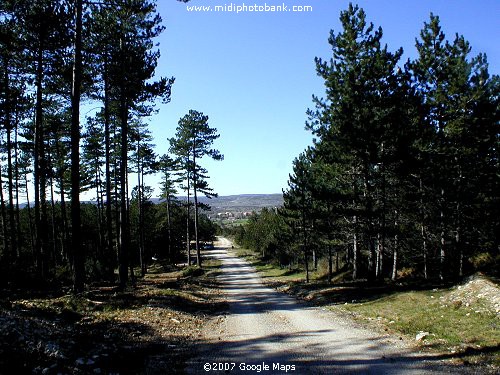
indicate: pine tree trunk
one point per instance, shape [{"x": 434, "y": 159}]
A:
[
  {"x": 395, "y": 250},
  {"x": 304, "y": 234},
  {"x": 142, "y": 223},
  {"x": 355, "y": 250},
  {"x": 8, "y": 127},
  {"x": 3, "y": 216},
  {"x": 98, "y": 196},
  {"x": 169, "y": 229},
  {"x": 37, "y": 160},
  {"x": 337, "y": 260},
  {"x": 442, "y": 251},
  {"x": 315, "y": 260},
  {"x": 195, "y": 193},
  {"x": 422, "y": 229},
  {"x": 139, "y": 206},
  {"x": 40, "y": 175},
  {"x": 458, "y": 227},
  {"x": 124, "y": 228},
  {"x": 16, "y": 171},
  {"x": 188, "y": 239},
  {"x": 330, "y": 264},
  {"x": 64, "y": 217},
  {"x": 306, "y": 263},
  {"x": 458, "y": 244},
  {"x": 109, "y": 218},
  {"x": 116, "y": 179},
  {"x": 78, "y": 255},
  {"x": 13, "y": 243},
  {"x": 378, "y": 266},
  {"x": 53, "y": 221},
  {"x": 30, "y": 220}
]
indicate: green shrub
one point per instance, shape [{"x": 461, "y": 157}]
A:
[{"x": 192, "y": 271}]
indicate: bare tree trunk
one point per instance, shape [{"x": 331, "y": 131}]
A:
[
  {"x": 169, "y": 229},
  {"x": 304, "y": 234},
  {"x": 64, "y": 217},
  {"x": 124, "y": 229},
  {"x": 395, "y": 250},
  {"x": 8, "y": 128},
  {"x": 355, "y": 250},
  {"x": 53, "y": 221},
  {"x": 116, "y": 178},
  {"x": 188, "y": 239},
  {"x": 337, "y": 259},
  {"x": 141, "y": 221},
  {"x": 16, "y": 171},
  {"x": 458, "y": 228},
  {"x": 30, "y": 219},
  {"x": 78, "y": 254},
  {"x": 195, "y": 194},
  {"x": 458, "y": 243},
  {"x": 3, "y": 214},
  {"x": 139, "y": 206},
  {"x": 422, "y": 229},
  {"x": 330, "y": 264},
  {"x": 109, "y": 218},
  {"x": 37, "y": 160},
  {"x": 99, "y": 209},
  {"x": 442, "y": 251},
  {"x": 378, "y": 266}
]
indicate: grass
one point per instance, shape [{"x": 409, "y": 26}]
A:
[
  {"x": 471, "y": 332},
  {"x": 270, "y": 271}
]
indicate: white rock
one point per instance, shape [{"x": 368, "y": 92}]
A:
[{"x": 421, "y": 335}]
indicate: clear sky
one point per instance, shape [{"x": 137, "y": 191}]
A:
[{"x": 253, "y": 73}]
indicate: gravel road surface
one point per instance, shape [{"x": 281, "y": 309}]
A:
[{"x": 267, "y": 332}]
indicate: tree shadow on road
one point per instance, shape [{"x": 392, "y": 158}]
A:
[{"x": 256, "y": 352}]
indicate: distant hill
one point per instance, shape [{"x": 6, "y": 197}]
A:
[
  {"x": 244, "y": 202},
  {"x": 240, "y": 203},
  {"x": 235, "y": 204}
]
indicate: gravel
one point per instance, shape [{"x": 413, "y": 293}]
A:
[{"x": 268, "y": 332}]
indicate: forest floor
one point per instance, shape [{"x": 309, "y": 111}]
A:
[{"x": 149, "y": 328}]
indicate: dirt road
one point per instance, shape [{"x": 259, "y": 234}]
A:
[{"x": 272, "y": 333}]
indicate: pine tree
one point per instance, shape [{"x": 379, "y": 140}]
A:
[
  {"x": 169, "y": 168},
  {"x": 298, "y": 205},
  {"x": 451, "y": 85},
  {"x": 356, "y": 123},
  {"x": 191, "y": 143}
]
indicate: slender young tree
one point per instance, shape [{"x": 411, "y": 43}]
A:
[
  {"x": 298, "y": 205},
  {"x": 192, "y": 142},
  {"x": 169, "y": 169},
  {"x": 76, "y": 240}
]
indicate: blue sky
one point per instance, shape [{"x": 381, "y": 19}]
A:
[{"x": 253, "y": 74}]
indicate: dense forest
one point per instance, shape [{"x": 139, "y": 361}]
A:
[
  {"x": 403, "y": 174},
  {"x": 77, "y": 85}
]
